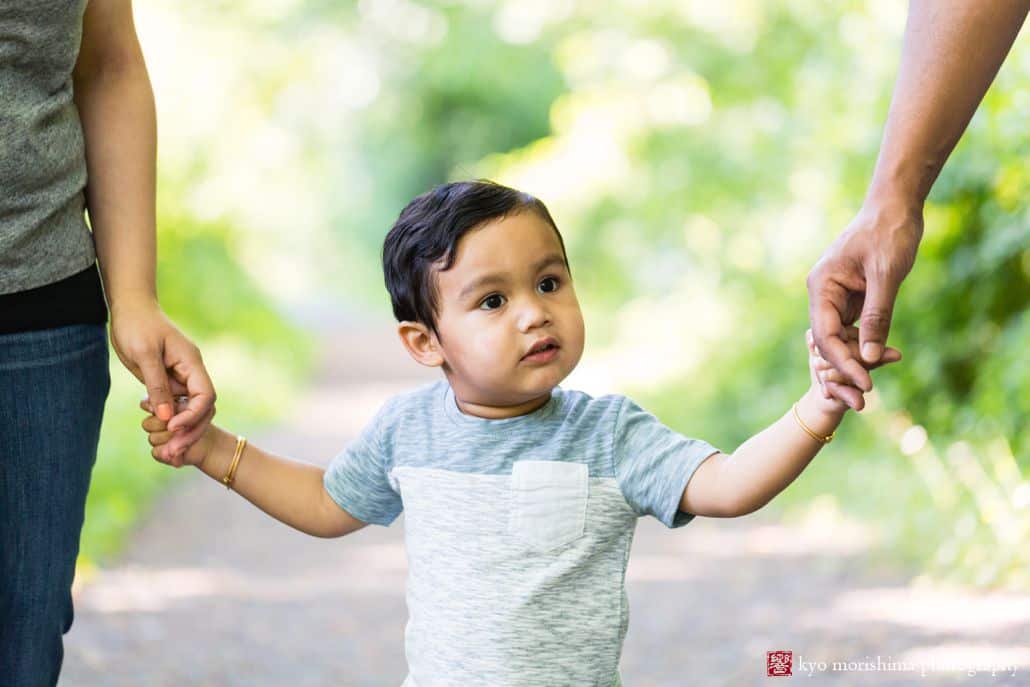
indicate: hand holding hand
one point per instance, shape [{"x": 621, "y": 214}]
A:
[
  {"x": 858, "y": 278},
  {"x": 834, "y": 391},
  {"x": 160, "y": 438},
  {"x": 151, "y": 347}
]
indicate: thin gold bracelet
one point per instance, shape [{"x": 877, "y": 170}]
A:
[
  {"x": 821, "y": 440},
  {"x": 241, "y": 441}
]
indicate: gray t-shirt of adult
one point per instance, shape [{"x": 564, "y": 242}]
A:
[
  {"x": 43, "y": 233},
  {"x": 517, "y": 531}
]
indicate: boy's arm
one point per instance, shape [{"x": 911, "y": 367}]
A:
[
  {"x": 730, "y": 485},
  {"x": 726, "y": 486},
  {"x": 290, "y": 491}
]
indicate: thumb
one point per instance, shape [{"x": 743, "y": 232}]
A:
[
  {"x": 877, "y": 311},
  {"x": 156, "y": 380}
]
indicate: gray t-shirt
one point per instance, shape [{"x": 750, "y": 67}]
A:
[
  {"x": 517, "y": 531},
  {"x": 43, "y": 234}
]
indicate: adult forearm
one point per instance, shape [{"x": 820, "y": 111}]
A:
[
  {"x": 116, "y": 106},
  {"x": 952, "y": 51},
  {"x": 768, "y": 462},
  {"x": 289, "y": 491}
]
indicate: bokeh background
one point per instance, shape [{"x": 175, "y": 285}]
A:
[{"x": 698, "y": 158}]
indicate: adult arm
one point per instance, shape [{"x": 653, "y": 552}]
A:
[
  {"x": 951, "y": 52},
  {"x": 116, "y": 106}
]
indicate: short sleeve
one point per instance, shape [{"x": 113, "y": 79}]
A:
[
  {"x": 357, "y": 478},
  {"x": 653, "y": 463}
]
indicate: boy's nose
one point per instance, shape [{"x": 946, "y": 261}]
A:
[{"x": 533, "y": 316}]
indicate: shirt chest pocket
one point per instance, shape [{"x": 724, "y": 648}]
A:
[{"x": 548, "y": 503}]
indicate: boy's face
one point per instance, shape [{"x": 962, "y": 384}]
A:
[{"x": 507, "y": 291}]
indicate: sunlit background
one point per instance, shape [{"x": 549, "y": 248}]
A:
[{"x": 697, "y": 156}]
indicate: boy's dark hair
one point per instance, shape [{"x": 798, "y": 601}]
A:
[{"x": 428, "y": 230}]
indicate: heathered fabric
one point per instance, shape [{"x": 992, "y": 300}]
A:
[
  {"x": 517, "y": 531},
  {"x": 43, "y": 234}
]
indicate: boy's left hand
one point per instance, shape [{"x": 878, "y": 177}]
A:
[{"x": 830, "y": 386}]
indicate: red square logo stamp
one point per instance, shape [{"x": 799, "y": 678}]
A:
[{"x": 779, "y": 663}]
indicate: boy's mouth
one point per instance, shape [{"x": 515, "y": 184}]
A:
[{"x": 542, "y": 348}]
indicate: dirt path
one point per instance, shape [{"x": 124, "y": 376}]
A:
[{"x": 212, "y": 592}]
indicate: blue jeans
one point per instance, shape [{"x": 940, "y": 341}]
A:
[{"x": 53, "y": 385}]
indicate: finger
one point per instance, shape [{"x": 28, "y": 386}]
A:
[
  {"x": 154, "y": 424},
  {"x": 847, "y": 393},
  {"x": 825, "y": 306},
  {"x": 164, "y": 456},
  {"x": 822, "y": 388},
  {"x": 159, "y": 438},
  {"x": 182, "y": 441},
  {"x": 822, "y": 364},
  {"x": 155, "y": 378},
  {"x": 158, "y": 453},
  {"x": 890, "y": 355},
  {"x": 199, "y": 388},
  {"x": 838, "y": 354},
  {"x": 875, "y": 322},
  {"x": 833, "y": 375},
  {"x": 178, "y": 399}
]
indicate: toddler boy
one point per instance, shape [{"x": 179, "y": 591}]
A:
[{"x": 521, "y": 497}]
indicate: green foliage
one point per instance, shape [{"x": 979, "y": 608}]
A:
[
  {"x": 756, "y": 154},
  {"x": 444, "y": 106},
  {"x": 698, "y": 158}
]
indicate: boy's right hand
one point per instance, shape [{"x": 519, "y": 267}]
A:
[{"x": 158, "y": 435}]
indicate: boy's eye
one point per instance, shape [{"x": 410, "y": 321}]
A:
[
  {"x": 549, "y": 285},
  {"x": 492, "y": 302}
]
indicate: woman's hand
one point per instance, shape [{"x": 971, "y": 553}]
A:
[
  {"x": 828, "y": 383},
  {"x": 161, "y": 357},
  {"x": 858, "y": 278}
]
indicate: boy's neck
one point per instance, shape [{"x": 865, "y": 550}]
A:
[{"x": 500, "y": 412}]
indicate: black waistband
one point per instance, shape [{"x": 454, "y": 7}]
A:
[{"x": 79, "y": 299}]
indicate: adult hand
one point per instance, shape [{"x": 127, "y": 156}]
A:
[
  {"x": 858, "y": 278},
  {"x": 152, "y": 348}
]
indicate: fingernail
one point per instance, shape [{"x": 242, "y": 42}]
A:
[
  {"x": 871, "y": 351},
  {"x": 164, "y": 410}
]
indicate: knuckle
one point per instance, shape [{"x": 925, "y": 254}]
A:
[
  {"x": 875, "y": 318},
  {"x": 143, "y": 352},
  {"x": 813, "y": 280},
  {"x": 817, "y": 274}
]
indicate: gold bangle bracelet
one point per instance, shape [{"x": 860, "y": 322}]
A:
[
  {"x": 241, "y": 442},
  {"x": 808, "y": 430}
]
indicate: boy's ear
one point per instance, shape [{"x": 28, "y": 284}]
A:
[{"x": 421, "y": 343}]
